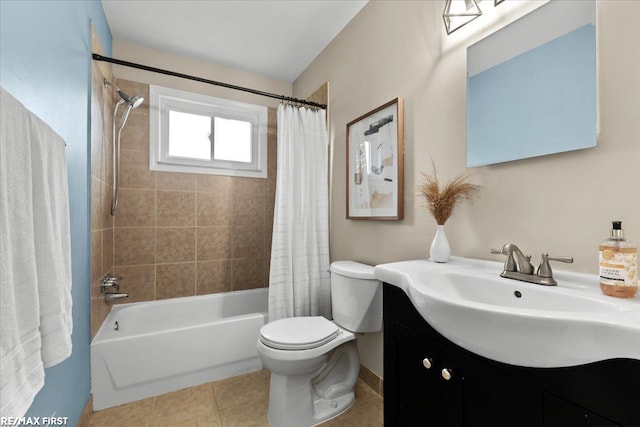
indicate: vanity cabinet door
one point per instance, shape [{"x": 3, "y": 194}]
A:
[
  {"x": 492, "y": 397},
  {"x": 562, "y": 413},
  {"x": 424, "y": 398}
]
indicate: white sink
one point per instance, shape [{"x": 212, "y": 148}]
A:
[{"x": 516, "y": 322}]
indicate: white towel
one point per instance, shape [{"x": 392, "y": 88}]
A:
[
  {"x": 35, "y": 255},
  {"x": 21, "y": 368},
  {"x": 52, "y": 240}
]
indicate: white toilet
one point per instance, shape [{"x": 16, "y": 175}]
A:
[{"x": 314, "y": 362}]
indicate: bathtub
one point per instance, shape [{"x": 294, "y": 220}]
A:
[{"x": 149, "y": 348}]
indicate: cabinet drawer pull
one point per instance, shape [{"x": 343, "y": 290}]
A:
[
  {"x": 447, "y": 374},
  {"x": 426, "y": 362}
]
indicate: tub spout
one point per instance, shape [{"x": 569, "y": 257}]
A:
[{"x": 108, "y": 297}]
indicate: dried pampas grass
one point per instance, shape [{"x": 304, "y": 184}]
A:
[{"x": 441, "y": 202}]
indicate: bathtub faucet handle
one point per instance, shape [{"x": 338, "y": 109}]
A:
[{"x": 110, "y": 282}]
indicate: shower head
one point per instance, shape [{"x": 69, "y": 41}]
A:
[
  {"x": 131, "y": 101},
  {"x": 135, "y": 101}
]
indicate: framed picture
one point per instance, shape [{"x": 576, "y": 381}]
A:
[{"x": 374, "y": 164}]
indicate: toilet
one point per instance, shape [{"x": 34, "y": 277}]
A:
[{"x": 313, "y": 361}]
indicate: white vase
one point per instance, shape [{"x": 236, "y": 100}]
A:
[{"x": 440, "y": 249}]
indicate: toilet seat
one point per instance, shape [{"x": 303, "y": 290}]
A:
[{"x": 298, "y": 333}]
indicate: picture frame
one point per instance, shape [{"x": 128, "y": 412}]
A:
[{"x": 375, "y": 170}]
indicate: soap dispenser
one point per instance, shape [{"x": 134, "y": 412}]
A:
[{"x": 618, "y": 264}]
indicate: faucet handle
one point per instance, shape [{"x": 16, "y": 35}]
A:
[
  {"x": 110, "y": 282},
  {"x": 509, "y": 263},
  {"x": 544, "y": 270}
]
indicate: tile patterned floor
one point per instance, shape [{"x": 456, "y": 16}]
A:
[{"x": 240, "y": 401}]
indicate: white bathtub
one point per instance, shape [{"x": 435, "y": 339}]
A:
[{"x": 149, "y": 348}]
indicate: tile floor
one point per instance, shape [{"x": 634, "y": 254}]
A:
[{"x": 240, "y": 401}]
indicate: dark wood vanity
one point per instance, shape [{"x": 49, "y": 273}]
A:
[{"x": 485, "y": 393}]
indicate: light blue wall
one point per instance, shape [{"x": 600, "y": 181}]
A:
[{"x": 45, "y": 62}]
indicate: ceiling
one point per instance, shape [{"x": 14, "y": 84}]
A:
[{"x": 274, "y": 38}]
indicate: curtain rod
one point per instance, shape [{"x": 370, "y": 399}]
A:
[{"x": 211, "y": 82}]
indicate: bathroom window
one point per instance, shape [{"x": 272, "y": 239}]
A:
[{"x": 201, "y": 134}]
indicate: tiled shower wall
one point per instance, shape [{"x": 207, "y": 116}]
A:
[
  {"x": 180, "y": 234},
  {"x": 101, "y": 177}
]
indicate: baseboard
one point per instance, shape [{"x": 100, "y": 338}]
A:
[
  {"x": 371, "y": 379},
  {"x": 86, "y": 413}
]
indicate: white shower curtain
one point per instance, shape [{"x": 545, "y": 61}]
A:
[{"x": 299, "y": 279}]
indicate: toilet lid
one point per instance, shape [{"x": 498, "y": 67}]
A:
[{"x": 298, "y": 333}]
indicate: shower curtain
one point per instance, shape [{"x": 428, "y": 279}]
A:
[{"x": 299, "y": 279}]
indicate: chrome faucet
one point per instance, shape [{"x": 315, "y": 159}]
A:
[
  {"x": 518, "y": 266},
  {"x": 108, "y": 297},
  {"x": 110, "y": 282}
]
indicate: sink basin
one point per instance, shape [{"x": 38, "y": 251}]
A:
[
  {"x": 495, "y": 290},
  {"x": 517, "y": 322}
]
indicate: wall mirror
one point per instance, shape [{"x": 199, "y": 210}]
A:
[{"x": 532, "y": 85}]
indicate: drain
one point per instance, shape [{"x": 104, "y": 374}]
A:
[
  {"x": 518, "y": 294},
  {"x": 116, "y": 326}
]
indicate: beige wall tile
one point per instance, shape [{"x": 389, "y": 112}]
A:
[
  {"x": 213, "y": 243},
  {"x": 96, "y": 204},
  {"x": 176, "y": 208},
  {"x": 139, "y": 281},
  {"x": 269, "y": 209},
  {"x": 268, "y": 236},
  {"x": 107, "y": 155},
  {"x": 266, "y": 268},
  {"x": 97, "y": 130},
  {"x": 98, "y": 312},
  {"x": 107, "y": 117},
  {"x": 134, "y": 170},
  {"x": 175, "y": 244},
  {"x": 214, "y": 209},
  {"x": 248, "y": 185},
  {"x": 107, "y": 250},
  {"x": 175, "y": 280},
  {"x": 175, "y": 181},
  {"x": 247, "y": 242},
  {"x": 248, "y": 209},
  {"x": 135, "y": 134},
  {"x": 247, "y": 273},
  {"x": 105, "y": 209},
  {"x": 136, "y": 208},
  {"x": 213, "y": 183},
  {"x": 213, "y": 277},
  {"x": 272, "y": 119},
  {"x": 96, "y": 255},
  {"x": 134, "y": 246}
]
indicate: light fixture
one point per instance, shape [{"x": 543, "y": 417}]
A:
[{"x": 458, "y": 13}]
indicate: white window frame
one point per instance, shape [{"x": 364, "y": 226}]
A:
[{"x": 162, "y": 99}]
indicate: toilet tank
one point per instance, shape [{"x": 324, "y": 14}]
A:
[{"x": 356, "y": 297}]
